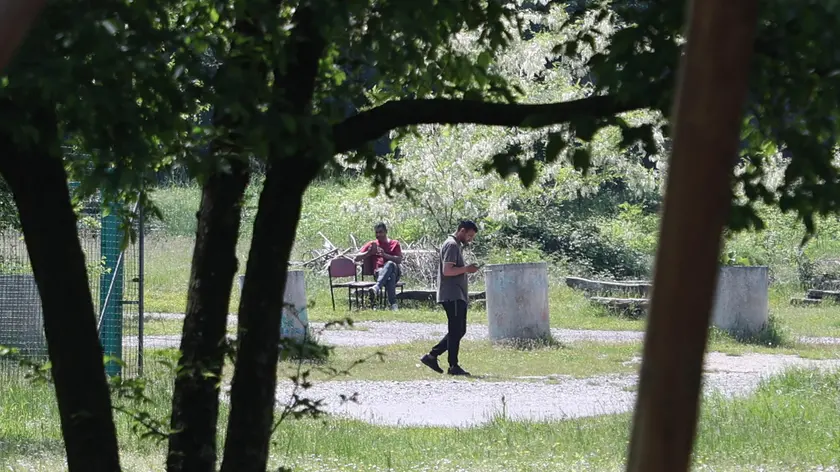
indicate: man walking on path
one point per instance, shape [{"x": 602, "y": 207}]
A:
[
  {"x": 387, "y": 257},
  {"x": 453, "y": 295}
]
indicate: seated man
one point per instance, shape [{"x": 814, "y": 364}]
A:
[{"x": 387, "y": 256}]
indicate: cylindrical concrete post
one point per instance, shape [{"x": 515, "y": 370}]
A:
[
  {"x": 517, "y": 301},
  {"x": 21, "y": 320},
  {"x": 295, "y": 321},
  {"x": 741, "y": 304}
]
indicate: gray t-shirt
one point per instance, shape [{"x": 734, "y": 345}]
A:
[{"x": 452, "y": 287}]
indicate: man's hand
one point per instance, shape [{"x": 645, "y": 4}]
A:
[
  {"x": 472, "y": 268},
  {"x": 379, "y": 251}
]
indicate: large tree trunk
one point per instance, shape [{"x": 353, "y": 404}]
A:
[
  {"x": 195, "y": 402},
  {"x": 707, "y": 121},
  {"x": 38, "y": 181}
]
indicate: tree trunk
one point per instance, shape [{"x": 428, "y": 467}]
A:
[
  {"x": 40, "y": 187},
  {"x": 16, "y": 18},
  {"x": 260, "y": 309},
  {"x": 255, "y": 376},
  {"x": 195, "y": 402},
  {"x": 707, "y": 121}
]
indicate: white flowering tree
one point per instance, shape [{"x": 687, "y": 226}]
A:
[{"x": 445, "y": 166}]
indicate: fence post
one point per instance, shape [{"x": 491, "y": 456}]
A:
[
  {"x": 141, "y": 285},
  {"x": 110, "y": 334}
]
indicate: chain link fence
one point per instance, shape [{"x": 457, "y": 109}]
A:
[{"x": 115, "y": 280}]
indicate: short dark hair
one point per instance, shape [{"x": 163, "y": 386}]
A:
[
  {"x": 467, "y": 225},
  {"x": 381, "y": 226}
]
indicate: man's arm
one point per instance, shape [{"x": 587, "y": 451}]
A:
[
  {"x": 397, "y": 256},
  {"x": 363, "y": 252},
  {"x": 450, "y": 257},
  {"x": 449, "y": 269}
]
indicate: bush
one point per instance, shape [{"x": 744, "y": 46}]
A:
[{"x": 594, "y": 236}]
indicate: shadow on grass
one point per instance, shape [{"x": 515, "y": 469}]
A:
[
  {"x": 525, "y": 344},
  {"x": 773, "y": 335}
]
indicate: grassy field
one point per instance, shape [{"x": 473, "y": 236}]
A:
[{"x": 788, "y": 424}]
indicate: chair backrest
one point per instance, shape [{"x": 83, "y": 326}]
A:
[
  {"x": 342, "y": 267},
  {"x": 368, "y": 266}
]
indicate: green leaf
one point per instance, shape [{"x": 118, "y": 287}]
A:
[
  {"x": 582, "y": 159},
  {"x": 528, "y": 173},
  {"x": 556, "y": 145},
  {"x": 586, "y": 128}
]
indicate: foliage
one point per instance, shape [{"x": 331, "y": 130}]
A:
[
  {"x": 791, "y": 121},
  {"x": 121, "y": 100}
]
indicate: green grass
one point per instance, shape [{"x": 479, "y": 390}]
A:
[
  {"x": 485, "y": 361},
  {"x": 789, "y": 424}
]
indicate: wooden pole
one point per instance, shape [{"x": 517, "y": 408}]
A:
[
  {"x": 707, "y": 118},
  {"x": 16, "y": 17}
]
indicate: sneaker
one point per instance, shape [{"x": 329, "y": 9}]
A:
[
  {"x": 432, "y": 363},
  {"x": 394, "y": 307},
  {"x": 457, "y": 370},
  {"x": 373, "y": 292}
]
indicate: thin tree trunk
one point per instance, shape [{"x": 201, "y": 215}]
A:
[
  {"x": 195, "y": 402},
  {"x": 707, "y": 120},
  {"x": 40, "y": 187},
  {"x": 255, "y": 378}
]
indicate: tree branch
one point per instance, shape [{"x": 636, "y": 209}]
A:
[{"x": 371, "y": 124}]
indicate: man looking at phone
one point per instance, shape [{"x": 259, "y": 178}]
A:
[
  {"x": 387, "y": 257},
  {"x": 453, "y": 295}
]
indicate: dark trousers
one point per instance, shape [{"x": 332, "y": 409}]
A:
[{"x": 456, "y": 315}]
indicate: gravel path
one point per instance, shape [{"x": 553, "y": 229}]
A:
[
  {"x": 376, "y": 333},
  {"x": 382, "y": 333},
  {"x": 465, "y": 403}
]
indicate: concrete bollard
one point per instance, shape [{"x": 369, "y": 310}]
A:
[
  {"x": 21, "y": 319},
  {"x": 741, "y": 304},
  {"x": 517, "y": 301},
  {"x": 294, "y": 322}
]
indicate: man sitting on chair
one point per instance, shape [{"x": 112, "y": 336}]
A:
[{"x": 386, "y": 255}]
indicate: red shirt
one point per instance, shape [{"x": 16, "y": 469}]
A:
[{"x": 392, "y": 248}]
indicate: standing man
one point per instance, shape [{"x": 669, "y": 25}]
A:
[
  {"x": 387, "y": 257},
  {"x": 453, "y": 295}
]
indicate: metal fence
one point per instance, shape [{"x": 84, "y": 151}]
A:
[{"x": 115, "y": 278}]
